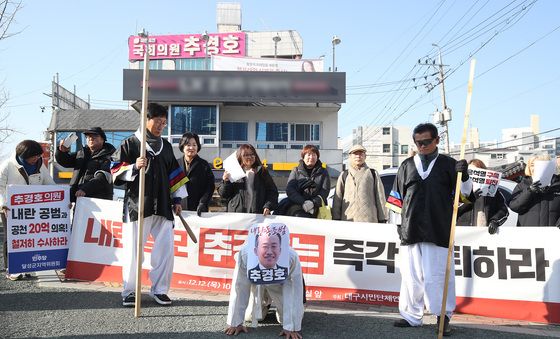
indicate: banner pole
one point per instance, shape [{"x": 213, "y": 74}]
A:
[
  {"x": 456, "y": 202},
  {"x": 142, "y": 176}
]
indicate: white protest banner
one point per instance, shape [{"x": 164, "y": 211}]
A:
[
  {"x": 485, "y": 180},
  {"x": 38, "y": 227},
  {"x": 231, "y": 165},
  {"x": 224, "y": 63},
  {"x": 514, "y": 274}
]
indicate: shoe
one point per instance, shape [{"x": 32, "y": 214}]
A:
[
  {"x": 401, "y": 323},
  {"x": 446, "y": 327},
  {"x": 14, "y": 277},
  {"x": 162, "y": 299},
  {"x": 129, "y": 300}
]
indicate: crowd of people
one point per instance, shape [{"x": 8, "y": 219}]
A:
[{"x": 187, "y": 183}]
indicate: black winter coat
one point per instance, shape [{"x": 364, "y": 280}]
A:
[
  {"x": 313, "y": 186},
  {"x": 494, "y": 208},
  {"x": 265, "y": 193},
  {"x": 92, "y": 173},
  {"x": 536, "y": 209},
  {"x": 200, "y": 186}
]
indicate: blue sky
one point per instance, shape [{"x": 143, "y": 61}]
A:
[{"x": 86, "y": 43}]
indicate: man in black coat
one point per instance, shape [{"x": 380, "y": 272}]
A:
[{"x": 91, "y": 164}]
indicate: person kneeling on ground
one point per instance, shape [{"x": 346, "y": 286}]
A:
[{"x": 260, "y": 285}]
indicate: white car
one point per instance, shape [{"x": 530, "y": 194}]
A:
[{"x": 505, "y": 187}]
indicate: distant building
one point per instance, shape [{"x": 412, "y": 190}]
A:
[
  {"x": 235, "y": 86},
  {"x": 387, "y": 146}
]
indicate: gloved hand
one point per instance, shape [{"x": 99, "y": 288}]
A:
[
  {"x": 463, "y": 167},
  {"x": 536, "y": 187},
  {"x": 478, "y": 193},
  {"x": 492, "y": 227},
  {"x": 308, "y": 206},
  {"x": 201, "y": 208}
]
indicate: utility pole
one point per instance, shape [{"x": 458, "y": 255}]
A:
[{"x": 441, "y": 118}]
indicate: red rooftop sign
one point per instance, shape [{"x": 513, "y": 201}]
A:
[{"x": 188, "y": 46}]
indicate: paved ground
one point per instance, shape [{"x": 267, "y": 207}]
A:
[{"x": 45, "y": 307}]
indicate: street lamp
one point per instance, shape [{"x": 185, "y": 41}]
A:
[
  {"x": 335, "y": 41},
  {"x": 276, "y": 40},
  {"x": 205, "y": 37}
]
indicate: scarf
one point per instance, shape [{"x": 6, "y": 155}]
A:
[
  {"x": 427, "y": 158},
  {"x": 153, "y": 141},
  {"x": 29, "y": 169}
]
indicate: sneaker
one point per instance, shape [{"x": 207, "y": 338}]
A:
[
  {"x": 446, "y": 327},
  {"x": 401, "y": 323},
  {"x": 14, "y": 277},
  {"x": 129, "y": 300},
  {"x": 162, "y": 299}
]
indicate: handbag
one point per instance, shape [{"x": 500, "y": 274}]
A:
[{"x": 324, "y": 211}]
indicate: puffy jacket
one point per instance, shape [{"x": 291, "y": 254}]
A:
[
  {"x": 303, "y": 185},
  {"x": 536, "y": 209},
  {"x": 265, "y": 193},
  {"x": 92, "y": 173},
  {"x": 12, "y": 173}
]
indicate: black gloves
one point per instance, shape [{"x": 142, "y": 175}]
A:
[
  {"x": 492, "y": 227},
  {"x": 201, "y": 208},
  {"x": 477, "y": 193},
  {"x": 462, "y": 166},
  {"x": 536, "y": 187}
]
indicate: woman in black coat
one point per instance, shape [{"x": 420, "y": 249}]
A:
[
  {"x": 200, "y": 186},
  {"x": 534, "y": 204},
  {"x": 256, "y": 192},
  {"x": 308, "y": 185}
]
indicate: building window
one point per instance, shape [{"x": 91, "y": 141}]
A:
[
  {"x": 154, "y": 64},
  {"x": 386, "y": 130},
  {"x": 386, "y": 148},
  {"x": 272, "y": 131},
  {"x": 196, "y": 64},
  {"x": 304, "y": 132},
  {"x": 386, "y": 166},
  {"x": 196, "y": 119},
  {"x": 234, "y": 131},
  {"x": 404, "y": 149}
]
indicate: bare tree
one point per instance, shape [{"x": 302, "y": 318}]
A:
[{"x": 8, "y": 11}]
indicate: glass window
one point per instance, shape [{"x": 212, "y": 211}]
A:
[
  {"x": 197, "y": 119},
  {"x": 227, "y": 145},
  {"x": 272, "y": 131},
  {"x": 296, "y": 146},
  {"x": 154, "y": 64},
  {"x": 234, "y": 131},
  {"x": 196, "y": 64},
  {"x": 386, "y": 130},
  {"x": 304, "y": 132},
  {"x": 116, "y": 138},
  {"x": 386, "y": 148},
  {"x": 404, "y": 149}
]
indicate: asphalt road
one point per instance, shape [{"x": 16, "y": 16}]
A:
[{"x": 30, "y": 310}]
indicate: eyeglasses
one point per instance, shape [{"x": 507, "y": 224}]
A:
[
  {"x": 251, "y": 155},
  {"x": 424, "y": 142},
  {"x": 161, "y": 122}
]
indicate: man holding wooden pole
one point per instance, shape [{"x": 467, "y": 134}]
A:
[
  {"x": 164, "y": 189},
  {"x": 421, "y": 204}
]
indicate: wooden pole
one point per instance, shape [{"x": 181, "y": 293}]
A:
[
  {"x": 141, "y": 188},
  {"x": 456, "y": 201}
]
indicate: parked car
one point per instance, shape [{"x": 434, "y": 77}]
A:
[{"x": 505, "y": 187}]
